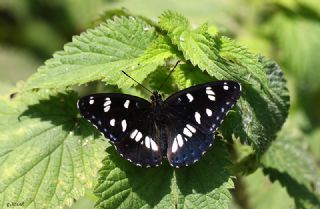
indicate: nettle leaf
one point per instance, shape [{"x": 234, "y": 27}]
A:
[
  {"x": 186, "y": 75},
  {"x": 206, "y": 184},
  {"x": 48, "y": 156},
  {"x": 263, "y": 111},
  {"x": 286, "y": 161},
  {"x": 101, "y": 53},
  {"x": 52, "y": 158},
  {"x": 265, "y": 101}
]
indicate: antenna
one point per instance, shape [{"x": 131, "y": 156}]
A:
[
  {"x": 137, "y": 82},
  {"x": 171, "y": 71}
]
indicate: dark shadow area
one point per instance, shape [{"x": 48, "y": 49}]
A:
[
  {"x": 149, "y": 184},
  {"x": 301, "y": 194},
  {"x": 61, "y": 110}
]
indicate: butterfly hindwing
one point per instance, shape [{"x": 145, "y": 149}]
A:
[
  {"x": 186, "y": 144},
  {"x": 124, "y": 120},
  {"x": 198, "y": 111}
]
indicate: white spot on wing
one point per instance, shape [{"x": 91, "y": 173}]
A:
[
  {"x": 147, "y": 140},
  {"x": 222, "y": 109},
  {"x": 174, "y": 145},
  {"x": 191, "y": 128},
  {"x": 126, "y": 103},
  {"x": 112, "y": 122},
  {"x": 179, "y": 137},
  {"x": 138, "y": 136},
  {"x": 133, "y": 134},
  {"x": 106, "y": 109},
  {"x": 210, "y": 92},
  {"x": 190, "y": 97},
  {"x": 187, "y": 132},
  {"x": 124, "y": 125},
  {"x": 197, "y": 116},
  {"x": 225, "y": 87},
  {"x": 211, "y": 97},
  {"x": 180, "y": 140},
  {"x": 91, "y": 101},
  {"x": 154, "y": 146},
  {"x": 107, "y": 103},
  {"x": 209, "y": 112}
]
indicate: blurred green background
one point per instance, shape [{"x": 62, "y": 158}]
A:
[{"x": 286, "y": 30}]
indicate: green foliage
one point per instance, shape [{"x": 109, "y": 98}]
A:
[
  {"x": 287, "y": 162},
  {"x": 61, "y": 152},
  {"x": 263, "y": 194},
  {"x": 265, "y": 97},
  {"x": 204, "y": 185},
  {"x": 101, "y": 54},
  {"x": 48, "y": 156}
]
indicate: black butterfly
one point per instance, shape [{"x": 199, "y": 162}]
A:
[{"x": 180, "y": 128}]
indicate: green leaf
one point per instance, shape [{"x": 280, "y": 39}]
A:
[
  {"x": 101, "y": 53},
  {"x": 288, "y": 162},
  {"x": 269, "y": 196},
  {"x": 193, "y": 44},
  {"x": 186, "y": 75},
  {"x": 205, "y": 184},
  {"x": 304, "y": 198},
  {"x": 263, "y": 110},
  {"x": 265, "y": 101},
  {"x": 48, "y": 156}
]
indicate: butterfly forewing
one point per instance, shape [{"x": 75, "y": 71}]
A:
[
  {"x": 198, "y": 111},
  {"x": 124, "y": 119}
]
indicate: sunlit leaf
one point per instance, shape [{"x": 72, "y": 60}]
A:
[{"x": 48, "y": 156}]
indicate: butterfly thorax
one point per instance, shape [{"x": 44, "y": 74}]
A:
[{"x": 157, "y": 105}]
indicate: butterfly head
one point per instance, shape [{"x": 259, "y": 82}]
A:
[
  {"x": 156, "y": 100},
  {"x": 156, "y": 97}
]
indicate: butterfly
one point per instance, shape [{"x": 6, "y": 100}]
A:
[{"x": 180, "y": 128}]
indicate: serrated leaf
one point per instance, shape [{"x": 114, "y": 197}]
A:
[
  {"x": 265, "y": 101},
  {"x": 288, "y": 162},
  {"x": 101, "y": 53},
  {"x": 193, "y": 44},
  {"x": 263, "y": 111},
  {"x": 48, "y": 156},
  {"x": 186, "y": 75},
  {"x": 203, "y": 185}
]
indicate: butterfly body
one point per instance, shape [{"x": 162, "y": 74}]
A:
[{"x": 180, "y": 128}]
